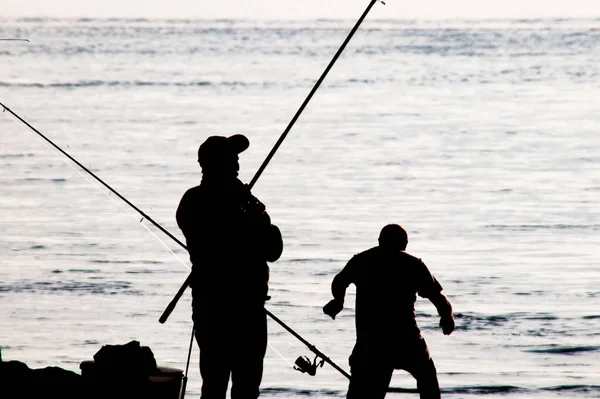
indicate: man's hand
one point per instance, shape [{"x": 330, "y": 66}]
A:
[
  {"x": 255, "y": 212},
  {"x": 447, "y": 325},
  {"x": 252, "y": 205},
  {"x": 333, "y": 308}
]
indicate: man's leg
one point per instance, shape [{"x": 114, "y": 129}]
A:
[
  {"x": 214, "y": 361},
  {"x": 427, "y": 382},
  {"x": 215, "y": 374},
  {"x": 250, "y": 348},
  {"x": 418, "y": 362},
  {"x": 370, "y": 375}
]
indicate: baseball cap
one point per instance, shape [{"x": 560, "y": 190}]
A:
[{"x": 216, "y": 148}]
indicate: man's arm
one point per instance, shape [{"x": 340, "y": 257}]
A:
[
  {"x": 338, "y": 289},
  {"x": 271, "y": 240},
  {"x": 444, "y": 308},
  {"x": 182, "y": 214},
  {"x": 274, "y": 245}
]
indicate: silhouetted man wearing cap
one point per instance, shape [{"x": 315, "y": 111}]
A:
[
  {"x": 229, "y": 238},
  {"x": 387, "y": 281}
]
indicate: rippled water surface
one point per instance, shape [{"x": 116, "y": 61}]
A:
[{"x": 480, "y": 137}]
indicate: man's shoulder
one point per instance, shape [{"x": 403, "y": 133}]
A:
[
  {"x": 189, "y": 198},
  {"x": 410, "y": 257},
  {"x": 194, "y": 189},
  {"x": 378, "y": 254},
  {"x": 367, "y": 256},
  {"x": 377, "y": 251},
  {"x": 193, "y": 192},
  {"x": 369, "y": 252}
]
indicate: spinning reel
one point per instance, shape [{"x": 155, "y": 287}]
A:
[{"x": 304, "y": 365}]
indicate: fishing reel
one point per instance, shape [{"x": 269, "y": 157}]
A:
[{"x": 304, "y": 365}]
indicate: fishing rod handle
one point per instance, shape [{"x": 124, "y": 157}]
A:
[{"x": 174, "y": 301}]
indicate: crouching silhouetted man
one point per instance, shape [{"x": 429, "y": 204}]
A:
[
  {"x": 229, "y": 238},
  {"x": 387, "y": 281}
]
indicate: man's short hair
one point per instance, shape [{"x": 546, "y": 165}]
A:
[{"x": 393, "y": 235}]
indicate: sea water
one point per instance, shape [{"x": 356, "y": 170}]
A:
[{"x": 480, "y": 137}]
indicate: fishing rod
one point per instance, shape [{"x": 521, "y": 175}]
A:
[
  {"x": 16, "y": 40},
  {"x": 304, "y": 365},
  {"x": 187, "y": 282},
  {"x": 145, "y": 216}
]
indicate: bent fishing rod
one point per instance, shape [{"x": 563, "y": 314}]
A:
[{"x": 187, "y": 282}]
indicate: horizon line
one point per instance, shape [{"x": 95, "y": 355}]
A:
[{"x": 302, "y": 19}]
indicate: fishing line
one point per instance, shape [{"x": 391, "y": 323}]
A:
[
  {"x": 127, "y": 210},
  {"x": 120, "y": 204},
  {"x": 280, "y": 355}
]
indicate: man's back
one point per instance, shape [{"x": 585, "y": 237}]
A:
[{"x": 387, "y": 283}]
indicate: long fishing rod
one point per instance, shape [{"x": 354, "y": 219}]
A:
[
  {"x": 311, "y": 347},
  {"x": 187, "y": 282},
  {"x": 16, "y": 40}
]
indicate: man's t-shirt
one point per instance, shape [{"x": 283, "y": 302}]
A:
[{"x": 387, "y": 283}]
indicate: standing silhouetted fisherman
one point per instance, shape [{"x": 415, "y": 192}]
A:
[
  {"x": 387, "y": 281},
  {"x": 229, "y": 238}
]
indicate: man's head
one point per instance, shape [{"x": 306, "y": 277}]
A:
[
  {"x": 219, "y": 154},
  {"x": 393, "y": 236}
]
